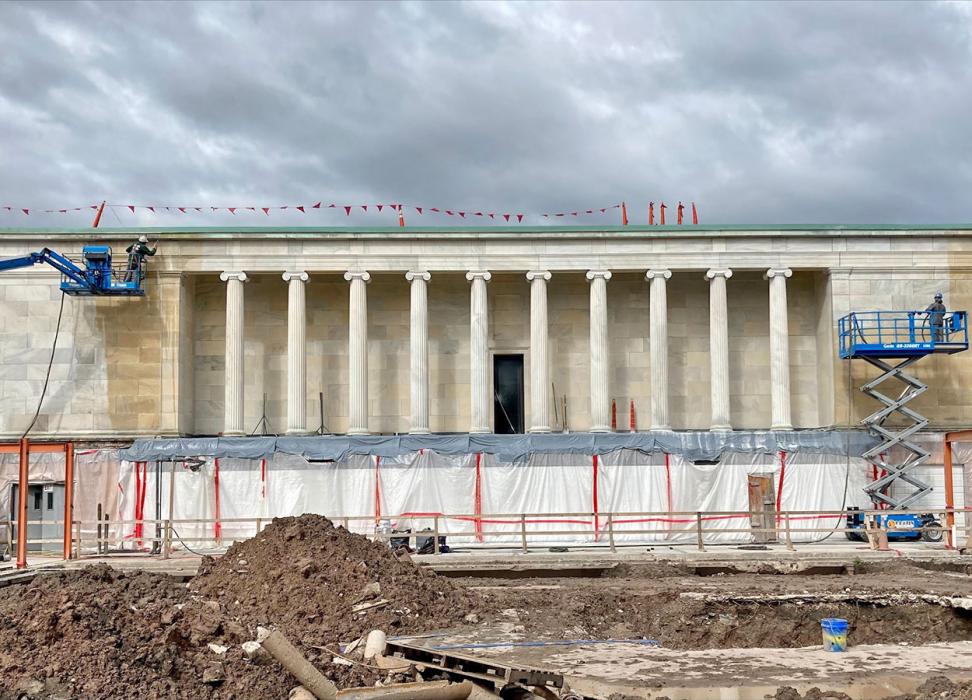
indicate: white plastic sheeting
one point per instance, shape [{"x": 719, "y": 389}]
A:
[
  {"x": 43, "y": 468},
  {"x": 477, "y": 499}
]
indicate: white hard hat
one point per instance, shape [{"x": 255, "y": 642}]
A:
[{"x": 143, "y": 238}]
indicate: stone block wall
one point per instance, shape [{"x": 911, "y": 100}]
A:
[{"x": 115, "y": 367}]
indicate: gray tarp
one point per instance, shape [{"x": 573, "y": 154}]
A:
[{"x": 508, "y": 448}]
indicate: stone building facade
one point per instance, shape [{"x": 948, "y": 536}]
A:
[{"x": 399, "y": 330}]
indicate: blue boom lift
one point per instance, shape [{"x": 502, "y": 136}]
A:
[
  {"x": 901, "y": 337},
  {"x": 96, "y": 278}
]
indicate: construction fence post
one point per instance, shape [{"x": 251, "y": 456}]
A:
[
  {"x": 698, "y": 530},
  {"x": 435, "y": 535},
  {"x": 22, "y": 504},
  {"x": 77, "y": 539},
  {"x": 167, "y": 539},
  {"x": 523, "y": 532},
  {"x": 789, "y": 538},
  {"x": 610, "y": 529},
  {"x": 68, "y": 498}
]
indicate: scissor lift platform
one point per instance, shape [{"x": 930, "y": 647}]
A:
[
  {"x": 907, "y": 336},
  {"x": 902, "y": 334}
]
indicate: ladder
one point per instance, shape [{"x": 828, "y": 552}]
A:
[{"x": 895, "y": 470}]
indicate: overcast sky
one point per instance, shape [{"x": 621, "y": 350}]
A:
[{"x": 760, "y": 113}]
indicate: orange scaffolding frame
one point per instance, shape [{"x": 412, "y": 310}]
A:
[
  {"x": 954, "y": 436},
  {"x": 25, "y": 448}
]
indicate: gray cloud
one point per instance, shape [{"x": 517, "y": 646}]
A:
[{"x": 761, "y": 113}]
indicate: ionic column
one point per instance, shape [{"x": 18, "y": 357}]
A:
[
  {"x": 779, "y": 349},
  {"x": 658, "y": 346},
  {"x": 480, "y": 395},
  {"x": 358, "y": 354},
  {"x": 419, "y": 353},
  {"x": 719, "y": 349},
  {"x": 234, "y": 378},
  {"x": 540, "y": 391},
  {"x": 600, "y": 379},
  {"x": 296, "y": 353}
]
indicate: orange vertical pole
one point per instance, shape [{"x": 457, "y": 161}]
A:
[
  {"x": 632, "y": 423},
  {"x": 22, "y": 505},
  {"x": 101, "y": 210},
  {"x": 614, "y": 415},
  {"x": 624, "y": 214},
  {"x": 401, "y": 215},
  {"x": 68, "y": 497},
  {"x": 949, "y": 495}
]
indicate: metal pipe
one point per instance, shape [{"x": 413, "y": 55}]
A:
[
  {"x": 68, "y": 496},
  {"x": 22, "y": 504},
  {"x": 298, "y": 666}
]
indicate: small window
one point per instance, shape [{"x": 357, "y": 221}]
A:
[
  {"x": 50, "y": 500},
  {"x": 37, "y": 499}
]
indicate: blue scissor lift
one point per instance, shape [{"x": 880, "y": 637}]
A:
[{"x": 892, "y": 341}]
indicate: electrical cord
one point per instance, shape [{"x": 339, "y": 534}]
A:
[
  {"x": 50, "y": 364},
  {"x": 174, "y": 532}
]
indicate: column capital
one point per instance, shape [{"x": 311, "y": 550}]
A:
[
  {"x": 538, "y": 275},
  {"x": 777, "y": 272},
  {"x": 711, "y": 274},
  {"x": 235, "y": 275},
  {"x": 413, "y": 275},
  {"x": 357, "y": 275},
  {"x": 595, "y": 274},
  {"x": 295, "y": 275},
  {"x": 660, "y": 272},
  {"x": 479, "y": 275}
]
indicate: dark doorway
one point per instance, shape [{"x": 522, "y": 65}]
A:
[{"x": 508, "y": 394}]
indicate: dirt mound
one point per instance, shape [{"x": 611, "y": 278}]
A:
[
  {"x": 309, "y": 577},
  {"x": 936, "y": 688},
  {"x": 101, "y": 633},
  {"x": 90, "y": 633}
]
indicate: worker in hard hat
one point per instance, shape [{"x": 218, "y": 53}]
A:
[
  {"x": 936, "y": 318},
  {"x": 137, "y": 252}
]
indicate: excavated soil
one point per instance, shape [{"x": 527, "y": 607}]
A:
[
  {"x": 937, "y": 688},
  {"x": 100, "y": 633}
]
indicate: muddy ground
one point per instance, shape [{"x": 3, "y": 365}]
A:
[{"x": 100, "y": 633}]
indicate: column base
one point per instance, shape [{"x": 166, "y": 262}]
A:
[
  {"x": 358, "y": 431},
  {"x": 782, "y": 427},
  {"x": 539, "y": 429},
  {"x": 480, "y": 431},
  {"x": 600, "y": 429},
  {"x": 420, "y": 431},
  {"x": 294, "y": 432},
  {"x": 233, "y": 433},
  {"x": 661, "y": 427},
  {"x": 720, "y": 428}
]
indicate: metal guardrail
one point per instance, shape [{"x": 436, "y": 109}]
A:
[
  {"x": 901, "y": 332},
  {"x": 603, "y": 529}
]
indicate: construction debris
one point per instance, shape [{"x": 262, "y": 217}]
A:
[
  {"x": 375, "y": 644},
  {"x": 302, "y": 669}
]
